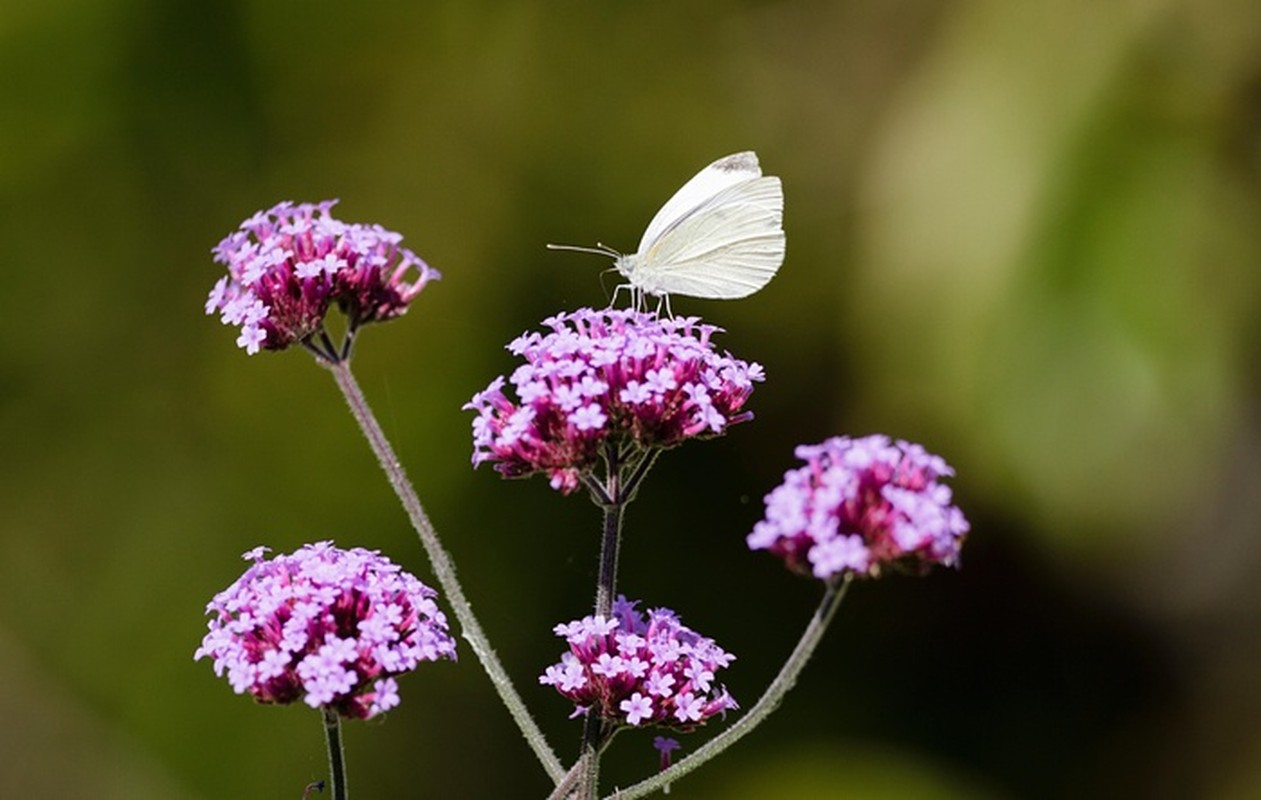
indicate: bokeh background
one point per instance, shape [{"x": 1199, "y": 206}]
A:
[{"x": 1025, "y": 235}]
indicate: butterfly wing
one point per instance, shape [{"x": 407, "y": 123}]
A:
[
  {"x": 727, "y": 246},
  {"x": 722, "y": 174}
]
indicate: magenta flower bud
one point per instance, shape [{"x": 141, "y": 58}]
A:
[
  {"x": 636, "y": 669},
  {"x": 665, "y": 746},
  {"x": 860, "y": 505},
  {"x": 619, "y": 376},
  {"x": 330, "y": 627},
  {"x": 288, "y": 265}
]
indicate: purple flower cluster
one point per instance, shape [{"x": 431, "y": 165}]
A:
[
  {"x": 859, "y": 505},
  {"x": 286, "y": 266},
  {"x": 328, "y": 626},
  {"x": 640, "y": 669},
  {"x": 620, "y": 375}
]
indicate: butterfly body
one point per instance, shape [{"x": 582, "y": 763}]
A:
[{"x": 718, "y": 237}]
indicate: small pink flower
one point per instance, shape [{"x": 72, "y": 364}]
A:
[
  {"x": 611, "y": 376},
  {"x": 639, "y": 669},
  {"x": 288, "y": 265},
  {"x": 859, "y": 505},
  {"x": 665, "y": 746},
  {"x": 327, "y": 626}
]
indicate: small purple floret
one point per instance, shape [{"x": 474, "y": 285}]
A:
[
  {"x": 665, "y": 746},
  {"x": 288, "y": 265},
  {"x": 615, "y": 374},
  {"x": 327, "y": 626},
  {"x": 860, "y": 505},
  {"x": 638, "y": 669}
]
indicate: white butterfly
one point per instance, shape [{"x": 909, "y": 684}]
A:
[{"x": 720, "y": 237}]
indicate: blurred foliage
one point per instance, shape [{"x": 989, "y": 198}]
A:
[{"x": 1023, "y": 235}]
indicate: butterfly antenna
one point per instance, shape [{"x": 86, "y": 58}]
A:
[{"x": 600, "y": 249}]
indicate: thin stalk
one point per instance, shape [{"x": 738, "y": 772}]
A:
[
  {"x": 615, "y": 495},
  {"x": 769, "y": 701},
  {"x": 321, "y": 356},
  {"x": 329, "y": 347},
  {"x": 336, "y": 761},
  {"x": 589, "y": 758},
  {"x": 444, "y": 569},
  {"x": 348, "y": 341},
  {"x": 611, "y": 538},
  {"x": 567, "y": 783},
  {"x": 639, "y": 473}
]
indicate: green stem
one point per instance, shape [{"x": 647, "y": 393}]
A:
[
  {"x": 769, "y": 701},
  {"x": 566, "y": 785},
  {"x": 336, "y": 761},
  {"x": 613, "y": 496},
  {"x": 640, "y": 471},
  {"x": 611, "y": 538},
  {"x": 589, "y": 759},
  {"x": 444, "y": 569}
]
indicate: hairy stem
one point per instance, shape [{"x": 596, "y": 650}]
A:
[
  {"x": 336, "y": 761},
  {"x": 566, "y": 785},
  {"x": 769, "y": 701},
  {"x": 611, "y": 536},
  {"x": 444, "y": 569},
  {"x": 614, "y": 494}
]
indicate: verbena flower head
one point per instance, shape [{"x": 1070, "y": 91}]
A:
[
  {"x": 327, "y": 626},
  {"x": 638, "y": 669},
  {"x": 617, "y": 374},
  {"x": 859, "y": 505},
  {"x": 288, "y": 265}
]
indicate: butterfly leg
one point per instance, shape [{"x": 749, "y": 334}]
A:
[
  {"x": 631, "y": 289},
  {"x": 663, "y": 302}
]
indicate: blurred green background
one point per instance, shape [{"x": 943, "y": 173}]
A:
[{"x": 1025, "y": 235}]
